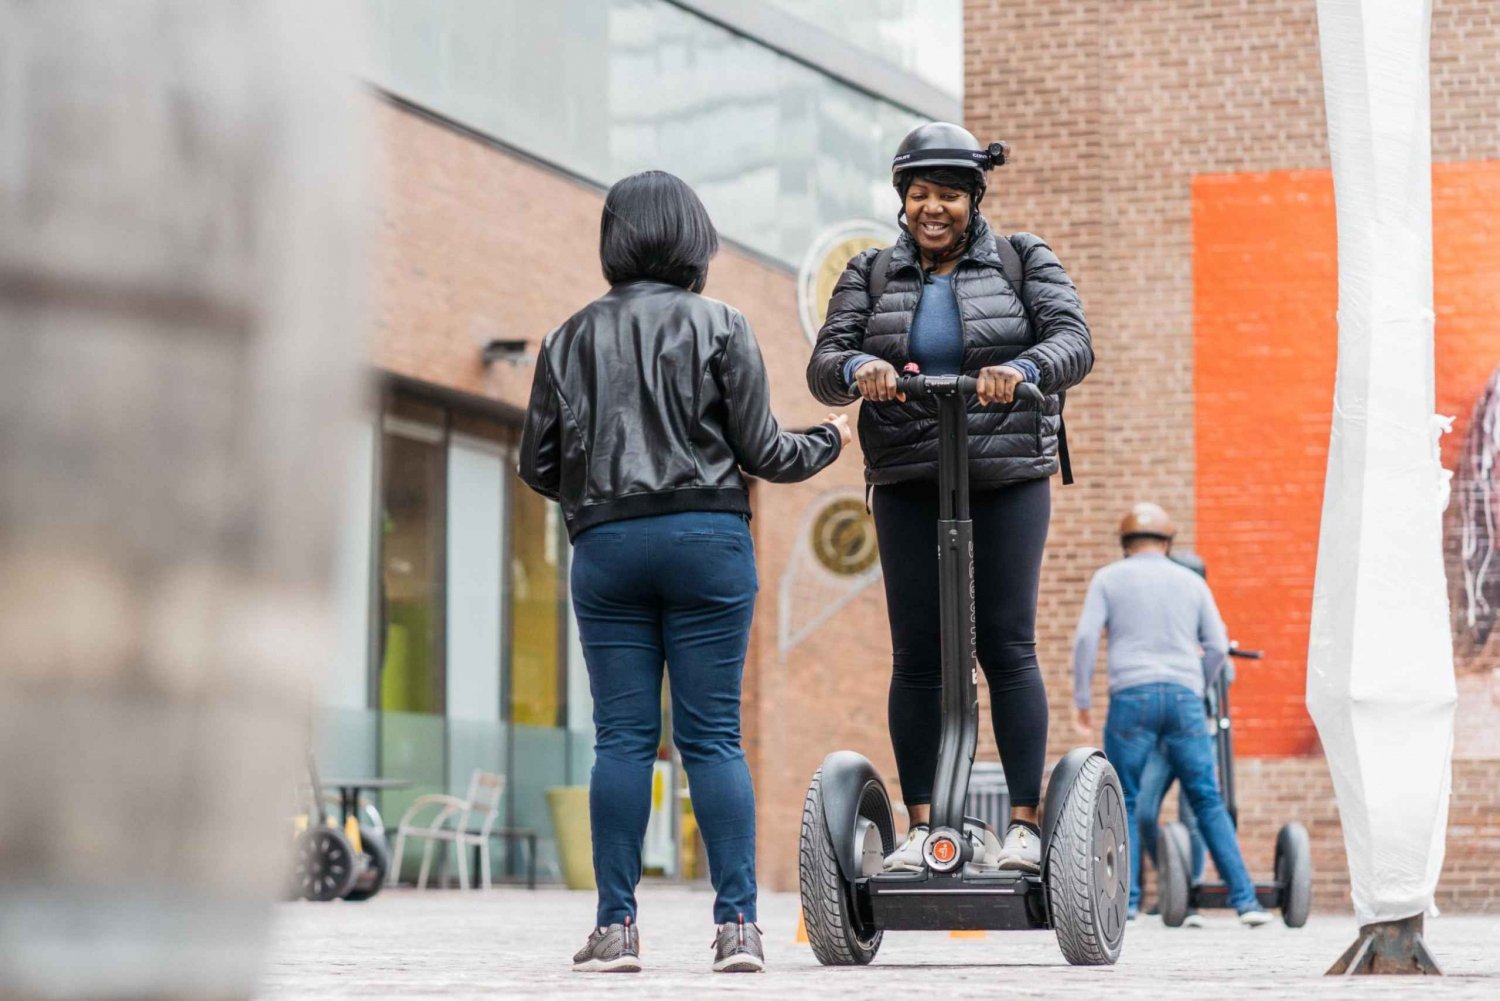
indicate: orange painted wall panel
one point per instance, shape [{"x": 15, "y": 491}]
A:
[{"x": 1265, "y": 349}]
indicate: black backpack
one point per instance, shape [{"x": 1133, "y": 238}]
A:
[{"x": 1010, "y": 266}]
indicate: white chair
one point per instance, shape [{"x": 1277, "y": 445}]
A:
[{"x": 482, "y": 802}]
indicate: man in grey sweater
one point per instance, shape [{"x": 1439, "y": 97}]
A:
[{"x": 1166, "y": 645}]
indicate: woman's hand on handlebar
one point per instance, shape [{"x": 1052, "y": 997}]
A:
[
  {"x": 876, "y": 382},
  {"x": 840, "y": 424},
  {"x": 997, "y": 384}
]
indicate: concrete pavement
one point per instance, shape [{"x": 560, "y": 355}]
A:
[{"x": 511, "y": 943}]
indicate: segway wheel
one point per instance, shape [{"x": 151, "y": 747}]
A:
[
  {"x": 326, "y": 867},
  {"x": 834, "y": 929},
  {"x": 379, "y": 866},
  {"x": 1088, "y": 868},
  {"x": 1294, "y": 873},
  {"x": 1172, "y": 876}
]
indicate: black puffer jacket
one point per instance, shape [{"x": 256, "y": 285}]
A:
[
  {"x": 900, "y": 439},
  {"x": 650, "y": 400}
]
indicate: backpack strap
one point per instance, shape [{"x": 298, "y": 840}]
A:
[
  {"x": 879, "y": 274},
  {"x": 1015, "y": 273},
  {"x": 1010, "y": 263}
]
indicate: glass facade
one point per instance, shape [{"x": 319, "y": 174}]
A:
[
  {"x": 777, "y": 150},
  {"x": 476, "y": 659},
  {"x": 923, "y": 37}
]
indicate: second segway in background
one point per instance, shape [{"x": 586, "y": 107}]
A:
[{"x": 1290, "y": 888}]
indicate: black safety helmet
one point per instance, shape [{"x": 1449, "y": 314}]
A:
[
  {"x": 943, "y": 144},
  {"x": 942, "y": 148}
]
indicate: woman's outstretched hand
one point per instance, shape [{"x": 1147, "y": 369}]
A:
[{"x": 840, "y": 423}]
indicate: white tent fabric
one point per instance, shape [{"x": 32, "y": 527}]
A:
[{"x": 1380, "y": 664}]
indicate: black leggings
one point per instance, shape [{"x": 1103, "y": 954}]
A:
[{"x": 1010, "y": 531}]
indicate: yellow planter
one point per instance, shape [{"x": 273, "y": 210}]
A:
[{"x": 570, "y": 824}]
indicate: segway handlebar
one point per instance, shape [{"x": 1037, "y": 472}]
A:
[
  {"x": 922, "y": 386},
  {"x": 1235, "y": 651}
]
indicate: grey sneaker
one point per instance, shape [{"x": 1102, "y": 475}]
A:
[
  {"x": 1255, "y": 917},
  {"x": 908, "y": 855},
  {"x": 1022, "y": 849},
  {"x": 737, "y": 948},
  {"x": 616, "y": 949}
]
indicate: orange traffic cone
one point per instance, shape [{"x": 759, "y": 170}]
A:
[{"x": 801, "y": 936}]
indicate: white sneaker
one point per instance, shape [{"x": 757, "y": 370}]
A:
[
  {"x": 1022, "y": 849},
  {"x": 908, "y": 855},
  {"x": 1255, "y": 918},
  {"x": 1193, "y": 920}
]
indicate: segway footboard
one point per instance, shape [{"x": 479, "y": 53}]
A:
[{"x": 974, "y": 899}]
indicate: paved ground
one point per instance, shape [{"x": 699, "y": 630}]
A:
[{"x": 513, "y": 944}]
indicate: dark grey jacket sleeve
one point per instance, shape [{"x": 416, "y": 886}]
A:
[
  {"x": 843, "y": 333},
  {"x": 760, "y": 446},
  {"x": 1064, "y": 351},
  {"x": 541, "y": 437}
]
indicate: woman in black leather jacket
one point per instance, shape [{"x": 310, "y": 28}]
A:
[
  {"x": 646, "y": 406},
  {"x": 948, "y": 306}
]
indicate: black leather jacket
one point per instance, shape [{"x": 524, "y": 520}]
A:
[
  {"x": 900, "y": 440},
  {"x": 650, "y": 400}
]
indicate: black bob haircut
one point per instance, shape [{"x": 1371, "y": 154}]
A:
[{"x": 654, "y": 228}]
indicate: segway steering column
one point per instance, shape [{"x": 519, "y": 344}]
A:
[{"x": 946, "y": 848}]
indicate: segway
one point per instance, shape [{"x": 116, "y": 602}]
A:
[
  {"x": 1290, "y": 888},
  {"x": 849, "y": 902},
  {"x": 330, "y": 863}
]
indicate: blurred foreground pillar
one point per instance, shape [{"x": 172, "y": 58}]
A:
[
  {"x": 1380, "y": 664},
  {"x": 182, "y": 203}
]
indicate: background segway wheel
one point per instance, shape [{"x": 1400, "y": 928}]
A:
[
  {"x": 380, "y": 865},
  {"x": 1088, "y": 868},
  {"x": 834, "y": 930},
  {"x": 1294, "y": 873},
  {"x": 325, "y": 867},
  {"x": 1172, "y": 876}
]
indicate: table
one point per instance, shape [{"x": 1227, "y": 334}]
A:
[{"x": 349, "y": 790}]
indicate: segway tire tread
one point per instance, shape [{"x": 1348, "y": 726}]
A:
[
  {"x": 1294, "y": 872},
  {"x": 826, "y": 904},
  {"x": 1071, "y": 891},
  {"x": 1173, "y": 848}
]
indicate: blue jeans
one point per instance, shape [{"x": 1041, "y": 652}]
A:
[
  {"x": 1156, "y": 782},
  {"x": 678, "y": 590},
  {"x": 1140, "y": 718}
]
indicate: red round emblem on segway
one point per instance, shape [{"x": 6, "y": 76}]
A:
[{"x": 944, "y": 850}]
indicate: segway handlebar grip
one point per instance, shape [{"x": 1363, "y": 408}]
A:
[
  {"x": 922, "y": 386},
  {"x": 1235, "y": 651}
]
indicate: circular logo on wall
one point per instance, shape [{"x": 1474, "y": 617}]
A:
[
  {"x": 826, "y": 259},
  {"x": 843, "y": 537}
]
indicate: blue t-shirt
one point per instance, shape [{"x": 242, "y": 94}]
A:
[{"x": 936, "y": 339}]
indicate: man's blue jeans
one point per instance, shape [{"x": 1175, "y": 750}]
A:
[
  {"x": 1143, "y": 716},
  {"x": 675, "y": 590},
  {"x": 1156, "y": 782}
]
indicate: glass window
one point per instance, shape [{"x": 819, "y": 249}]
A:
[
  {"x": 412, "y": 528},
  {"x": 923, "y": 37},
  {"x": 538, "y": 682},
  {"x": 476, "y": 517},
  {"x": 777, "y": 150}
]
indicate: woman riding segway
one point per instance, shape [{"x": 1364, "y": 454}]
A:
[{"x": 954, "y": 297}]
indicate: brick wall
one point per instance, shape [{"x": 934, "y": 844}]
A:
[{"x": 1112, "y": 109}]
